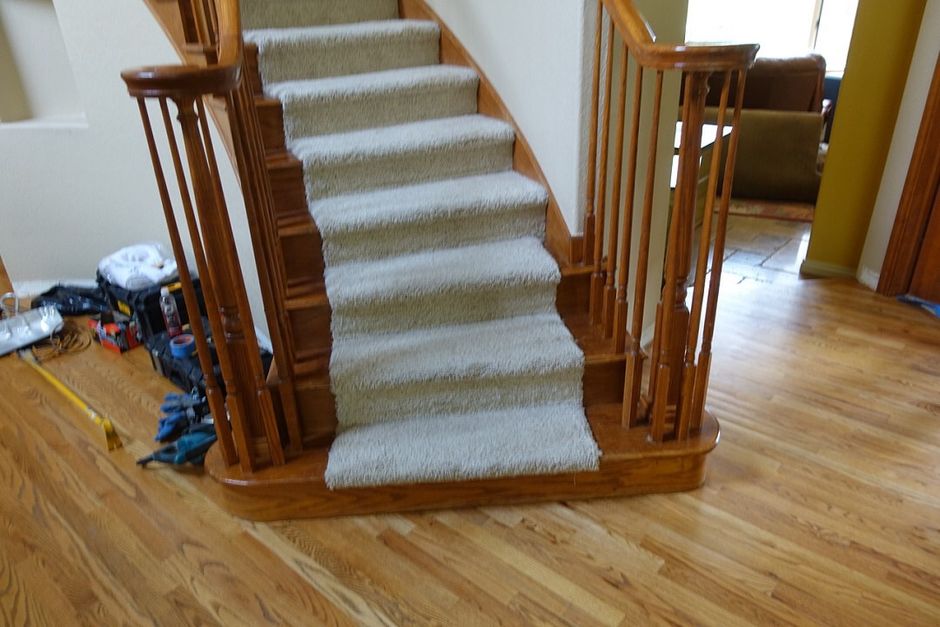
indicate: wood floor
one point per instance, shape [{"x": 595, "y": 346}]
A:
[{"x": 822, "y": 504}]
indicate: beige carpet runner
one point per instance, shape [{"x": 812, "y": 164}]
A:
[{"x": 449, "y": 358}]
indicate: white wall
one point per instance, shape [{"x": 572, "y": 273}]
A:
[
  {"x": 533, "y": 53},
  {"x": 70, "y": 193},
  {"x": 44, "y": 80},
  {"x": 538, "y": 55},
  {"x": 902, "y": 146}
]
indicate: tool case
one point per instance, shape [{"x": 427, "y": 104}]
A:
[
  {"x": 144, "y": 305},
  {"x": 185, "y": 372}
]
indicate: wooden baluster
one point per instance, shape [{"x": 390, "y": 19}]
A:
[
  {"x": 597, "y": 277},
  {"x": 685, "y": 418},
  {"x": 613, "y": 237},
  {"x": 674, "y": 323},
  {"x": 212, "y": 17},
  {"x": 241, "y": 428},
  {"x": 189, "y": 22},
  {"x": 263, "y": 226},
  {"x": 711, "y": 307},
  {"x": 240, "y": 330},
  {"x": 623, "y": 265},
  {"x": 591, "y": 183},
  {"x": 208, "y": 36},
  {"x": 658, "y": 420},
  {"x": 214, "y": 399},
  {"x": 634, "y": 368}
]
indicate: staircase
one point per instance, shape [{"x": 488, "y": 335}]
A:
[
  {"x": 440, "y": 338},
  {"x": 449, "y": 360}
]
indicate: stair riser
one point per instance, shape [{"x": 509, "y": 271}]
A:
[
  {"x": 448, "y": 232},
  {"x": 603, "y": 381},
  {"x": 444, "y": 309},
  {"x": 292, "y": 13},
  {"x": 573, "y": 294},
  {"x": 307, "y": 117},
  {"x": 312, "y": 342},
  {"x": 317, "y": 410},
  {"x": 287, "y": 187},
  {"x": 271, "y": 119},
  {"x": 324, "y": 180},
  {"x": 307, "y": 59},
  {"x": 251, "y": 68},
  {"x": 457, "y": 397},
  {"x": 303, "y": 260}
]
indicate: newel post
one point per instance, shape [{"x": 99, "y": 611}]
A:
[
  {"x": 249, "y": 400},
  {"x": 672, "y": 318}
]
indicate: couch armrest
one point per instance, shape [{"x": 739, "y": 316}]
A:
[{"x": 777, "y": 153}]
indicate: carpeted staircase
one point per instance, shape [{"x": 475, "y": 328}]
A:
[{"x": 449, "y": 358}]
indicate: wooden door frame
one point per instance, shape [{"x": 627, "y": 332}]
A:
[{"x": 917, "y": 200}]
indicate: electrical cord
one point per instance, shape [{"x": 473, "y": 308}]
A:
[{"x": 73, "y": 338}]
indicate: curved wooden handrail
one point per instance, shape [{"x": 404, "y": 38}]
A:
[
  {"x": 223, "y": 75},
  {"x": 641, "y": 40},
  {"x": 219, "y": 77}
]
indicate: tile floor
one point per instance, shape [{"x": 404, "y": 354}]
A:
[{"x": 765, "y": 250}]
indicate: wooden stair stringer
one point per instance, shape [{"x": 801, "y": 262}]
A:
[{"x": 630, "y": 465}]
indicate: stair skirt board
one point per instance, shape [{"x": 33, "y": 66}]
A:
[
  {"x": 630, "y": 466},
  {"x": 450, "y": 362}
]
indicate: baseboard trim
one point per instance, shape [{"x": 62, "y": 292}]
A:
[
  {"x": 869, "y": 278},
  {"x": 826, "y": 270}
]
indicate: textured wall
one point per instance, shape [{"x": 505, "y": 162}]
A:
[{"x": 70, "y": 193}]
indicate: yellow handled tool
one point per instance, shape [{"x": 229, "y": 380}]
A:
[{"x": 114, "y": 441}]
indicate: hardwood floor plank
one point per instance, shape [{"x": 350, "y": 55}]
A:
[{"x": 821, "y": 506}]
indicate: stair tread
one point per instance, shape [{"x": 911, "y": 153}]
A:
[
  {"x": 360, "y": 145},
  {"x": 350, "y": 86},
  {"x": 476, "y": 195},
  {"x": 544, "y": 439},
  {"x": 286, "y": 13},
  {"x": 536, "y": 345},
  {"x": 504, "y": 265},
  {"x": 333, "y": 32},
  {"x": 308, "y": 52},
  {"x": 338, "y": 104}
]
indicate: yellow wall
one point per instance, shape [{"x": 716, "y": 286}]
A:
[{"x": 876, "y": 72}]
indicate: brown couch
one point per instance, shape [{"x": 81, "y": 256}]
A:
[
  {"x": 781, "y": 125},
  {"x": 791, "y": 84}
]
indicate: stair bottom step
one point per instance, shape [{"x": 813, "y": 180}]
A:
[{"x": 629, "y": 465}]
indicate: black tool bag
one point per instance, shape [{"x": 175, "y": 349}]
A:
[
  {"x": 72, "y": 300},
  {"x": 144, "y": 305},
  {"x": 185, "y": 372}
]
